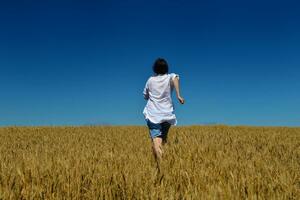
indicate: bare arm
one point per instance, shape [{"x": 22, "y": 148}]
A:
[
  {"x": 146, "y": 92},
  {"x": 177, "y": 89}
]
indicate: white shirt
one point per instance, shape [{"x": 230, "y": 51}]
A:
[{"x": 157, "y": 91}]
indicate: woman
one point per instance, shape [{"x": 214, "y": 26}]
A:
[{"x": 159, "y": 110}]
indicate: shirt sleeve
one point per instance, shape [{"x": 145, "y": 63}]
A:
[
  {"x": 173, "y": 75},
  {"x": 146, "y": 91}
]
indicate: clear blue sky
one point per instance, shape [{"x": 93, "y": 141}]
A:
[{"x": 86, "y": 62}]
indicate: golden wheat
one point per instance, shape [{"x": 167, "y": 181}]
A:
[{"x": 199, "y": 162}]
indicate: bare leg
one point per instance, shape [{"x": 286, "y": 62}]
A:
[{"x": 157, "y": 150}]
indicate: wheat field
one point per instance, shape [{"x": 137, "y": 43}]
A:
[{"x": 107, "y": 162}]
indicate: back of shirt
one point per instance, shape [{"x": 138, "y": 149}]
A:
[{"x": 158, "y": 91}]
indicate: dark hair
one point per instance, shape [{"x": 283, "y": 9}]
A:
[{"x": 160, "y": 66}]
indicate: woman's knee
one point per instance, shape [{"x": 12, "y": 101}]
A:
[{"x": 157, "y": 141}]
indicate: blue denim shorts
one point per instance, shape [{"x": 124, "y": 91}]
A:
[{"x": 158, "y": 130}]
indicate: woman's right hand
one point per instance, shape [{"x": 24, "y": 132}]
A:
[{"x": 180, "y": 99}]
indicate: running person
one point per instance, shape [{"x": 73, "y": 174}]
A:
[{"x": 159, "y": 110}]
